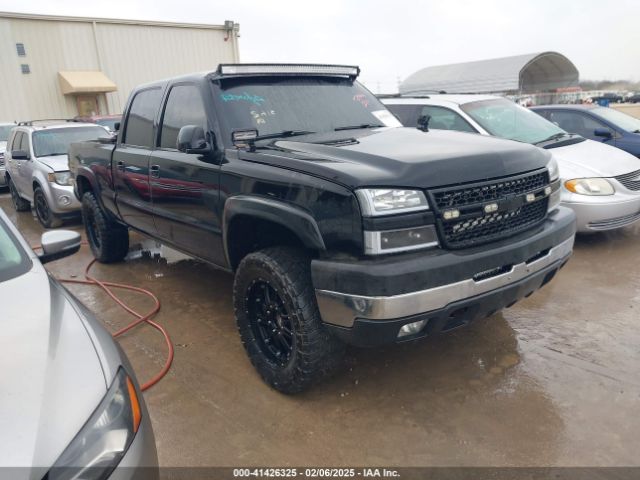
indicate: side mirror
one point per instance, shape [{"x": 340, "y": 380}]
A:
[
  {"x": 58, "y": 244},
  {"x": 423, "y": 122},
  {"x": 602, "y": 132},
  {"x": 116, "y": 127},
  {"x": 191, "y": 139},
  {"x": 19, "y": 155}
]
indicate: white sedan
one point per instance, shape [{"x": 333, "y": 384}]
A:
[{"x": 599, "y": 182}]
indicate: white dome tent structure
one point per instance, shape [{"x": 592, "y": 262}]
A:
[{"x": 517, "y": 75}]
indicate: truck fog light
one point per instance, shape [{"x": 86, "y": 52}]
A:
[
  {"x": 390, "y": 241},
  {"x": 412, "y": 328},
  {"x": 490, "y": 208},
  {"x": 531, "y": 197},
  {"x": 451, "y": 214},
  {"x": 64, "y": 200}
]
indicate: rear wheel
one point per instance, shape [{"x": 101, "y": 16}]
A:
[
  {"x": 279, "y": 321},
  {"x": 19, "y": 203},
  {"x": 46, "y": 217},
  {"x": 109, "y": 240}
]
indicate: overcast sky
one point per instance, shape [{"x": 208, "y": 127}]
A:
[{"x": 391, "y": 39}]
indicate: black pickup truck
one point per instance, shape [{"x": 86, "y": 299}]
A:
[{"x": 340, "y": 225}]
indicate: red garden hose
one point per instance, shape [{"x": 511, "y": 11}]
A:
[{"x": 107, "y": 286}]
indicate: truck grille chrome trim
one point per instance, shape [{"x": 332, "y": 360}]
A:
[{"x": 342, "y": 309}]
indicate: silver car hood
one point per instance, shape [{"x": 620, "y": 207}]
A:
[
  {"x": 52, "y": 378},
  {"x": 58, "y": 163},
  {"x": 593, "y": 159}
]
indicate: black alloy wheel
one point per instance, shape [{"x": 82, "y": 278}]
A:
[{"x": 270, "y": 322}]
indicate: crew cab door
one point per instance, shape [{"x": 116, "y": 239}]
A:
[
  {"x": 184, "y": 186},
  {"x": 130, "y": 163}
]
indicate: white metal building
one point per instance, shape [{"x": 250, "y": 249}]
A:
[
  {"x": 60, "y": 67},
  {"x": 530, "y": 73}
]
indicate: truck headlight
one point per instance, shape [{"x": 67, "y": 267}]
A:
[
  {"x": 102, "y": 442},
  {"x": 554, "y": 171},
  {"x": 387, "y": 201},
  {"x": 61, "y": 178},
  {"x": 590, "y": 186}
]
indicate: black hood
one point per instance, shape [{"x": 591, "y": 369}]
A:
[{"x": 404, "y": 157}]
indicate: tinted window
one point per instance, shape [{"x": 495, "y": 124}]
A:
[
  {"x": 505, "y": 119},
  {"x": 184, "y": 107},
  {"x": 5, "y": 130},
  {"x": 139, "y": 129},
  {"x": 446, "y": 119},
  {"x": 56, "y": 141},
  {"x": 574, "y": 122},
  {"x": 273, "y": 105},
  {"x": 408, "y": 114},
  {"x": 13, "y": 260}
]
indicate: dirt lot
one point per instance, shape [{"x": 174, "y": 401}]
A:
[{"x": 555, "y": 380}]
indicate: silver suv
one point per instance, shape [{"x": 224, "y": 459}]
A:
[{"x": 37, "y": 167}]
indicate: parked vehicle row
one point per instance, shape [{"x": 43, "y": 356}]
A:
[{"x": 600, "y": 183}]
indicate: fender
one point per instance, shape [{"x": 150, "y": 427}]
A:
[
  {"x": 289, "y": 216},
  {"x": 89, "y": 175}
]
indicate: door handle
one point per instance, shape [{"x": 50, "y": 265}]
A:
[
  {"x": 155, "y": 171},
  {"x": 120, "y": 166}
]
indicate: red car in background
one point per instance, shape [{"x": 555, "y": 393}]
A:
[{"x": 108, "y": 121}]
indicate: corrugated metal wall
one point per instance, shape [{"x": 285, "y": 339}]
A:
[{"x": 129, "y": 54}]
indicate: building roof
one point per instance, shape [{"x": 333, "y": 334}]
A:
[
  {"x": 121, "y": 21},
  {"x": 528, "y": 73}
]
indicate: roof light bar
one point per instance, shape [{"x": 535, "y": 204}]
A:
[{"x": 287, "y": 69}]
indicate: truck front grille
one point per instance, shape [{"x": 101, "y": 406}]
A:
[
  {"x": 469, "y": 223},
  {"x": 630, "y": 180}
]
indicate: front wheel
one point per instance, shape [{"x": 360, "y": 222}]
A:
[
  {"x": 109, "y": 241},
  {"x": 46, "y": 217},
  {"x": 279, "y": 322}
]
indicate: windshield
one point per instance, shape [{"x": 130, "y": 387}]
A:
[
  {"x": 110, "y": 123},
  {"x": 13, "y": 259},
  {"x": 505, "y": 119},
  {"x": 56, "y": 141},
  {"x": 619, "y": 119},
  {"x": 5, "y": 130},
  {"x": 316, "y": 104}
]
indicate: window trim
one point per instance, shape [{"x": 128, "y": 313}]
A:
[
  {"x": 165, "y": 102},
  {"x": 153, "y": 121}
]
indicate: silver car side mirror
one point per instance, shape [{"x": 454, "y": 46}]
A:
[{"x": 58, "y": 244}]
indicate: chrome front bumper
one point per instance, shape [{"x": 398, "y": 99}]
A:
[{"x": 342, "y": 309}]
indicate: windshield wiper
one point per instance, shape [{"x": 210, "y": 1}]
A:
[
  {"x": 356, "y": 127},
  {"x": 636, "y": 131},
  {"x": 283, "y": 134},
  {"x": 555, "y": 136},
  {"x": 55, "y": 154}
]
